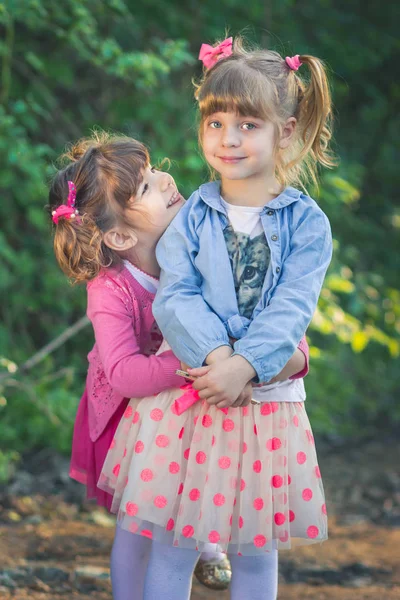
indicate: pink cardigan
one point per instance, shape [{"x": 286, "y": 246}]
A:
[{"x": 122, "y": 363}]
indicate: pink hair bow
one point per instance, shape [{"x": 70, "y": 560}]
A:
[
  {"x": 66, "y": 211},
  {"x": 190, "y": 397},
  {"x": 209, "y": 55},
  {"x": 293, "y": 62}
]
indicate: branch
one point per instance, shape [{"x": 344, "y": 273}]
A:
[{"x": 51, "y": 346}]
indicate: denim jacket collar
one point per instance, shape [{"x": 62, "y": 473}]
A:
[{"x": 211, "y": 195}]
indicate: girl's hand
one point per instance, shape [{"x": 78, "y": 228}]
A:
[
  {"x": 244, "y": 398},
  {"x": 222, "y": 383}
]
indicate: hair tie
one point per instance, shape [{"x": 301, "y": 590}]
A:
[
  {"x": 293, "y": 62},
  {"x": 209, "y": 55},
  {"x": 68, "y": 210}
]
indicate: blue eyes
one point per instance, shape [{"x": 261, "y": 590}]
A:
[{"x": 245, "y": 126}]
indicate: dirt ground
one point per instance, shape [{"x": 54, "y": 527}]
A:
[{"x": 54, "y": 545}]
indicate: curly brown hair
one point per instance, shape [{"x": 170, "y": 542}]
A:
[{"x": 107, "y": 171}]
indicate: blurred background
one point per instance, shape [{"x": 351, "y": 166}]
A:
[{"x": 67, "y": 67}]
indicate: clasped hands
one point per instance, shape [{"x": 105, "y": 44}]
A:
[{"x": 225, "y": 381}]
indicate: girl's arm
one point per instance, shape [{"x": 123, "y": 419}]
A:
[
  {"x": 128, "y": 371},
  {"x": 294, "y": 369},
  {"x": 187, "y": 322},
  {"x": 273, "y": 335},
  {"x": 298, "y": 365}
]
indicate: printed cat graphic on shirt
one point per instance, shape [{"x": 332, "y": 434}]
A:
[{"x": 249, "y": 260}]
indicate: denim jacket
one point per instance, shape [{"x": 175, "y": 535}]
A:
[{"x": 196, "y": 307}]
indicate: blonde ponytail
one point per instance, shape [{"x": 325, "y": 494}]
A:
[{"x": 314, "y": 115}]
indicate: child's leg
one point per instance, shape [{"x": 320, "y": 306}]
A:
[
  {"x": 169, "y": 572},
  {"x": 254, "y": 577},
  {"x": 129, "y": 557}
]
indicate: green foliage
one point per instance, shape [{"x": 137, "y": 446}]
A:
[{"x": 66, "y": 67}]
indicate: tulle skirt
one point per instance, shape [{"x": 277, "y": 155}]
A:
[{"x": 248, "y": 480}]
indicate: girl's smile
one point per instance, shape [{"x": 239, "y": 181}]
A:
[{"x": 239, "y": 147}]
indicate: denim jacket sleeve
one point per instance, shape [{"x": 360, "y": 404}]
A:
[
  {"x": 186, "y": 321},
  {"x": 275, "y": 332}
]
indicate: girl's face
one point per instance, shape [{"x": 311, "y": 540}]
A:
[
  {"x": 156, "y": 203},
  {"x": 239, "y": 147}
]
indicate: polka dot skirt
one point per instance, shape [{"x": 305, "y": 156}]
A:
[{"x": 248, "y": 480}]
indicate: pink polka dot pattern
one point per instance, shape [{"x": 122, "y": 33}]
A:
[
  {"x": 257, "y": 466},
  {"x": 265, "y": 409},
  {"x": 312, "y": 531},
  {"x": 279, "y": 518},
  {"x": 147, "y": 533},
  {"x": 258, "y": 503},
  {"x": 128, "y": 412},
  {"x": 284, "y": 536},
  {"x": 146, "y": 475},
  {"x": 194, "y": 494},
  {"x": 274, "y": 444},
  {"x": 206, "y": 421},
  {"x": 228, "y": 425},
  {"x": 131, "y": 509},
  {"x": 139, "y": 447},
  {"x": 246, "y": 479},
  {"x": 301, "y": 458},
  {"x": 156, "y": 414},
  {"x": 224, "y": 462},
  {"x": 260, "y": 540},
  {"x": 277, "y": 481},
  {"x": 201, "y": 458},
  {"x": 160, "y": 501},
  {"x": 214, "y": 537},
  {"x": 188, "y": 531},
  {"x": 162, "y": 441},
  {"x": 219, "y": 499}
]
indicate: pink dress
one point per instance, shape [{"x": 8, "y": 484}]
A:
[{"x": 122, "y": 364}]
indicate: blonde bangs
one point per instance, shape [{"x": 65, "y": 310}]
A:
[{"x": 243, "y": 91}]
